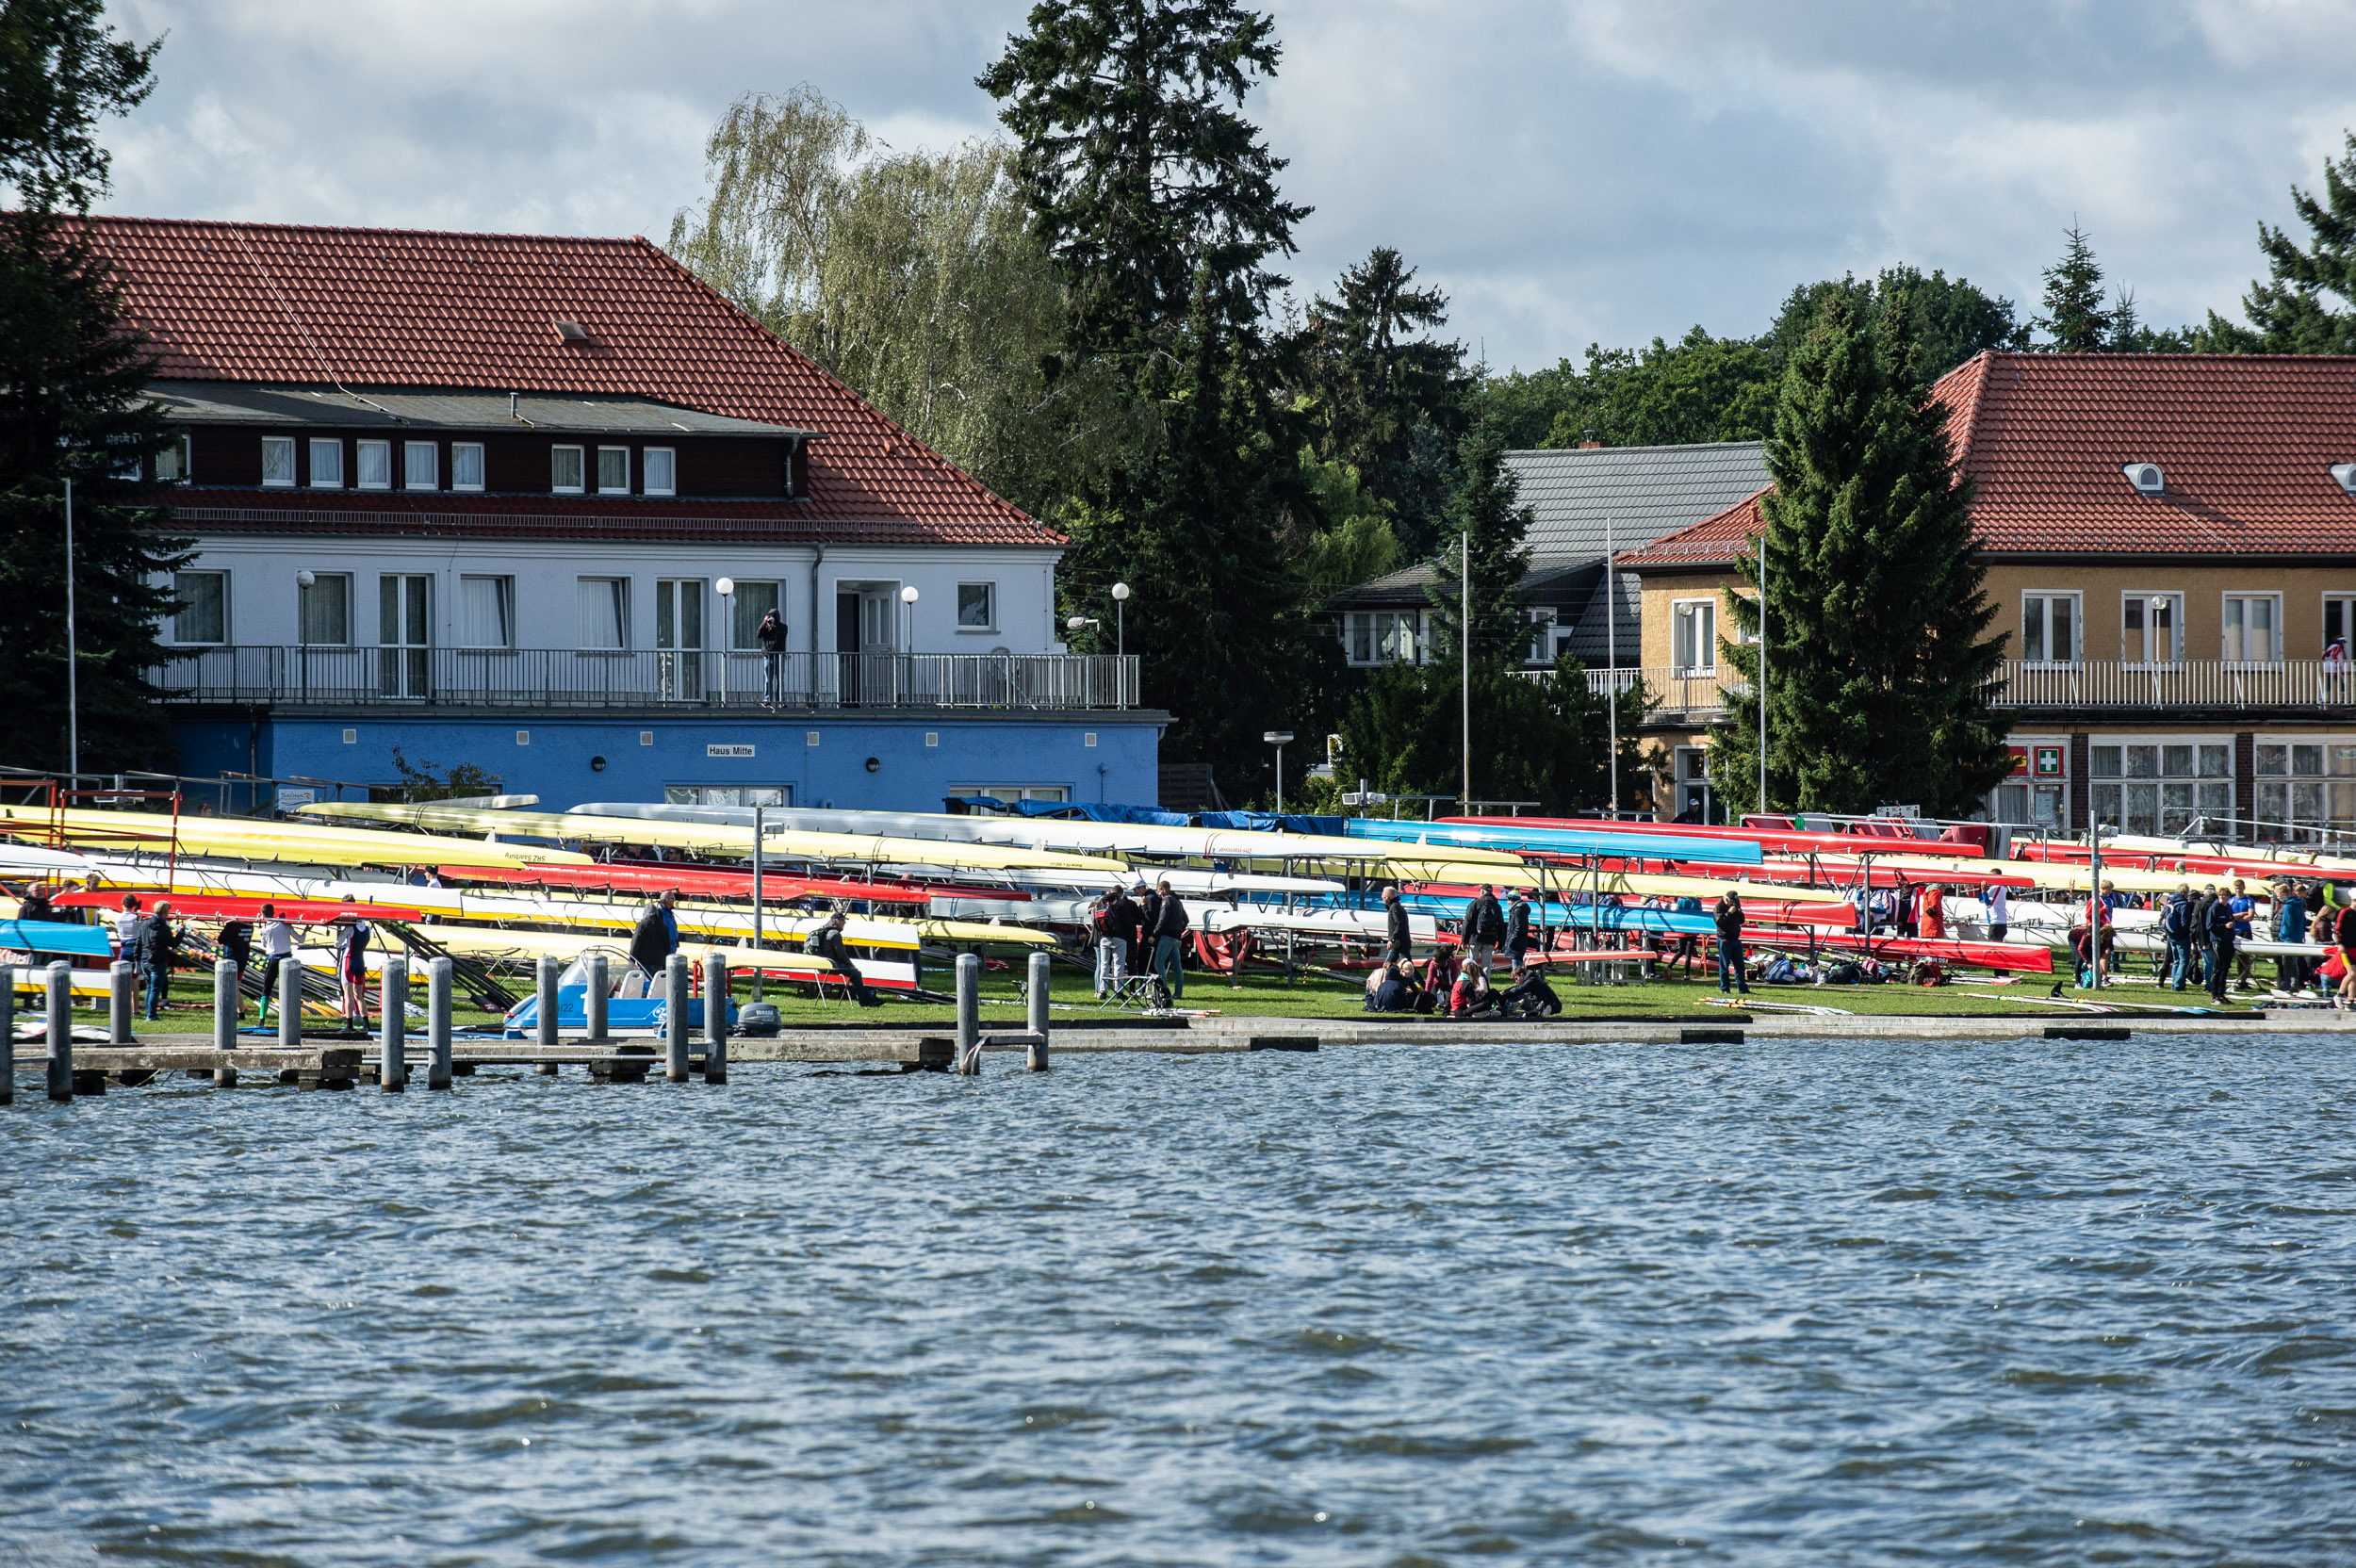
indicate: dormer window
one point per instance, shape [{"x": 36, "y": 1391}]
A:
[
  {"x": 613, "y": 470},
  {"x": 662, "y": 470},
  {"x": 373, "y": 466},
  {"x": 172, "y": 463},
  {"x": 564, "y": 470},
  {"x": 327, "y": 464},
  {"x": 2345, "y": 475},
  {"x": 278, "y": 455},
  {"x": 2146, "y": 478}
]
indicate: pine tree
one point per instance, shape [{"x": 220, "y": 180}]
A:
[
  {"x": 1878, "y": 670},
  {"x": 71, "y": 374},
  {"x": 2075, "y": 316},
  {"x": 1486, "y": 514},
  {"x": 2292, "y": 312},
  {"x": 1373, "y": 374}
]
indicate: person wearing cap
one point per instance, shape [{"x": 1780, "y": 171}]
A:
[
  {"x": 1518, "y": 939},
  {"x": 1728, "y": 918}
]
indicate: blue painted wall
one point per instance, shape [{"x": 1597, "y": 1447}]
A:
[{"x": 909, "y": 774}]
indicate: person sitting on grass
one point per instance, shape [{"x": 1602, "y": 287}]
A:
[
  {"x": 1392, "y": 988},
  {"x": 1471, "y": 996},
  {"x": 1529, "y": 996}
]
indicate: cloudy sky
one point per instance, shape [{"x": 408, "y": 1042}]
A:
[{"x": 1569, "y": 172}]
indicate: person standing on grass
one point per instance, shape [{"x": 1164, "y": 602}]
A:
[
  {"x": 1399, "y": 942},
  {"x": 1728, "y": 917},
  {"x": 1169, "y": 930},
  {"x": 2217, "y": 923},
  {"x": 159, "y": 943},
  {"x": 1517, "y": 937},
  {"x": 2343, "y": 934},
  {"x": 1149, "y": 905},
  {"x": 2245, "y": 909},
  {"x": 2290, "y": 925},
  {"x": 1999, "y": 912},
  {"x": 277, "y": 948},
  {"x": 2176, "y": 927},
  {"x": 127, "y": 929},
  {"x": 1485, "y": 927},
  {"x": 1116, "y": 933}
]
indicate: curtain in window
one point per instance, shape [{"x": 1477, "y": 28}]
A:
[
  {"x": 374, "y": 465},
  {"x": 465, "y": 466},
  {"x": 603, "y": 624},
  {"x": 278, "y": 459},
  {"x": 203, "y": 616},
  {"x": 753, "y": 601},
  {"x": 486, "y": 611},
  {"x": 326, "y": 611},
  {"x": 419, "y": 465},
  {"x": 662, "y": 467},
  {"x": 327, "y": 464}
]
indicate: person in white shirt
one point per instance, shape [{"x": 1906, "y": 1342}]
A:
[
  {"x": 1999, "y": 913},
  {"x": 277, "y": 938},
  {"x": 127, "y": 928}
]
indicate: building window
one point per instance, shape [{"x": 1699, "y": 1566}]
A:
[
  {"x": 2161, "y": 786},
  {"x": 2149, "y": 628},
  {"x": 728, "y": 794},
  {"x": 486, "y": 611},
  {"x": 662, "y": 470},
  {"x": 1693, "y": 636},
  {"x": 372, "y": 464},
  {"x": 1541, "y": 636},
  {"x": 2306, "y": 789},
  {"x": 203, "y": 617},
  {"x": 613, "y": 470},
  {"x": 420, "y": 466},
  {"x": 278, "y": 459},
  {"x": 465, "y": 466},
  {"x": 604, "y": 612},
  {"x": 1010, "y": 793},
  {"x": 172, "y": 463},
  {"x": 2339, "y": 625},
  {"x": 1381, "y": 636},
  {"x": 977, "y": 607},
  {"x": 327, "y": 464},
  {"x": 2250, "y": 629},
  {"x": 564, "y": 470},
  {"x": 2049, "y": 628},
  {"x": 324, "y": 610},
  {"x": 752, "y": 600}
]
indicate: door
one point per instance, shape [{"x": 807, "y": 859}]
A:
[
  {"x": 402, "y": 618},
  {"x": 678, "y": 639},
  {"x": 864, "y": 641}
]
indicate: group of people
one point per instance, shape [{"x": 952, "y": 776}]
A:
[
  {"x": 1456, "y": 981},
  {"x": 1141, "y": 931},
  {"x": 155, "y": 940}
]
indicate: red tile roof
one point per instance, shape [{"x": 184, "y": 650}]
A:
[
  {"x": 2244, "y": 443},
  {"x": 389, "y": 308}
]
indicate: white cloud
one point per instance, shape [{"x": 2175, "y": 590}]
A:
[{"x": 1568, "y": 170}]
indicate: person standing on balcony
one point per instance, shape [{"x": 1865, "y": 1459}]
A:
[{"x": 772, "y": 636}]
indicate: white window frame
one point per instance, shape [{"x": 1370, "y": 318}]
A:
[
  {"x": 504, "y": 590},
  {"x": 177, "y": 453},
  {"x": 360, "y": 453},
  {"x": 2140, "y": 602},
  {"x": 990, "y": 591},
  {"x": 284, "y": 446},
  {"x": 2046, "y": 598},
  {"x": 2347, "y": 622},
  {"x": 1405, "y": 628},
  {"x": 1541, "y": 624},
  {"x": 180, "y": 642},
  {"x": 1687, "y": 610},
  {"x": 621, "y": 489},
  {"x": 580, "y": 471},
  {"x": 2226, "y": 604},
  {"x": 320, "y": 581},
  {"x": 459, "y": 452},
  {"x": 1013, "y": 794},
  {"x": 669, "y": 464},
  {"x": 409, "y": 453},
  {"x": 327, "y": 444}
]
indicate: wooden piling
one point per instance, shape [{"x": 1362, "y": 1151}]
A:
[
  {"x": 8, "y": 1034},
  {"x": 1036, "y": 995},
  {"x": 674, "y": 975},
  {"x": 227, "y": 1001},
  {"x": 437, "y": 980},
  {"x": 601, "y": 987},
  {"x": 122, "y": 1000},
  {"x": 392, "y": 1046},
  {"x": 60, "y": 1029},
  {"x": 715, "y": 1018},
  {"x": 290, "y": 1003},
  {"x": 969, "y": 1014}
]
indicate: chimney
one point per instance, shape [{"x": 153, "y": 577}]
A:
[{"x": 1589, "y": 446}]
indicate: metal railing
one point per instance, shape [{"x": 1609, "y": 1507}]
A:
[
  {"x": 637, "y": 678},
  {"x": 2107, "y": 683}
]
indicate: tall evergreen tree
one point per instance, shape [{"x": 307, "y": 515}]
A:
[
  {"x": 1373, "y": 372},
  {"x": 2292, "y": 311},
  {"x": 1156, "y": 201},
  {"x": 1879, "y": 671},
  {"x": 1489, "y": 517},
  {"x": 2075, "y": 316},
  {"x": 72, "y": 371}
]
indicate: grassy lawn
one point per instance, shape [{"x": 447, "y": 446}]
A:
[{"x": 1262, "y": 995}]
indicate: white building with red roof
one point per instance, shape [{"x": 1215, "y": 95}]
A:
[
  {"x": 524, "y": 501},
  {"x": 2170, "y": 543}
]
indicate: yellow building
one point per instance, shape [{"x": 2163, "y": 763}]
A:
[{"x": 2171, "y": 545}]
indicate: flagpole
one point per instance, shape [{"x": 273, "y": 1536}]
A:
[
  {"x": 1612, "y": 675},
  {"x": 72, "y": 683},
  {"x": 1464, "y": 653}
]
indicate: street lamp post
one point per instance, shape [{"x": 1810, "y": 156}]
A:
[
  {"x": 726, "y": 588},
  {"x": 1277, "y": 739},
  {"x": 1120, "y": 619},
  {"x": 907, "y": 598}
]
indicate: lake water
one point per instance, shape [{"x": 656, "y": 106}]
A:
[{"x": 1787, "y": 1302}]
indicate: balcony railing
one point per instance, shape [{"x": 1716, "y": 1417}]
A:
[
  {"x": 638, "y": 677},
  {"x": 2213, "y": 683}
]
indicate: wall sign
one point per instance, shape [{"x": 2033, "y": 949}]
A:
[{"x": 727, "y": 751}]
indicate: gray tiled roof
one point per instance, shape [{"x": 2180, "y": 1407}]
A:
[{"x": 1640, "y": 492}]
